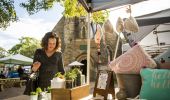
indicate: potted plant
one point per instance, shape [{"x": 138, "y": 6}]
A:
[
  {"x": 70, "y": 76},
  {"x": 49, "y": 93},
  {"x": 59, "y": 75},
  {"x": 58, "y": 81},
  {"x": 78, "y": 78},
  {"x": 33, "y": 96},
  {"x": 39, "y": 91}
]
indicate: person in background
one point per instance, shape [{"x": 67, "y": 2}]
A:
[
  {"x": 48, "y": 60},
  {"x": 9, "y": 73},
  {"x": 2, "y": 75},
  {"x": 20, "y": 72},
  {"x": 6, "y": 72}
]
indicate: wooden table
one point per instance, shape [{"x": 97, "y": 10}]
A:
[{"x": 12, "y": 81}]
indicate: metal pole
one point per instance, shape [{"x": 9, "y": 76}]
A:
[{"x": 88, "y": 50}]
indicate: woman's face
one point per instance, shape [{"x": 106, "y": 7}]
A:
[{"x": 51, "y": 44}]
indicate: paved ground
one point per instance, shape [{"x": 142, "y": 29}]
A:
[
  {"x": 13, "y": 94},
  {"x": 16, "y": 93}
]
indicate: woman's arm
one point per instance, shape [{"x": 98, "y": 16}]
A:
[
  {"x": 36, "y": 61},
  {"x": 60, "y": 64}
]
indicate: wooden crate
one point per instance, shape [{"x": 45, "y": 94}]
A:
[{"x": 75, "y": 93}]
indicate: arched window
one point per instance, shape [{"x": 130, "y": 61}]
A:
[{"x": 83, "y": 32}]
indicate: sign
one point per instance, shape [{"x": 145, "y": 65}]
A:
[
  {"x": 102, "y": 81},
  {"x": 83, "y": 47},
  {"x": 104, "y": 84}
]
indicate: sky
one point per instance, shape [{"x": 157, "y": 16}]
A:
[
  {"x": 44, "y": 21},
  {"x": 32, "y": 26}
]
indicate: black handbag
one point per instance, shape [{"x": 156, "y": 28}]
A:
[{"x": 32, "y": 84}]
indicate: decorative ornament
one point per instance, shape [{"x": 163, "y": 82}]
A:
[
  {"x": 119, "y": 25},
  {"x": 130, "y": 24}
]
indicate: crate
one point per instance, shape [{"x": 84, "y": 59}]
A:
[{"x": 75, "y": 93}]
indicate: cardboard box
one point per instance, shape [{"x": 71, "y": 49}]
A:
[{"x": 75, "y": 93}]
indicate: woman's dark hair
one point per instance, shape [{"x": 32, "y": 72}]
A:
[{"x": 44, "y": 42}]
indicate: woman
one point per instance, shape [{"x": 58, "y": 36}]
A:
[{"x": 47, "y": 60}]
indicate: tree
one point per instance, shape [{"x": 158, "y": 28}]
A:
[
  {"x": 2, "y": 52},
  {"x": 27, "y": 47},
  {"x": 7, "y": 13},
  {"x": 72, "y": 8}
]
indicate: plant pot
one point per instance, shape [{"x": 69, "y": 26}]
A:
[
  {"x": 69, "y": 84},
  {"x": 74, "y": 83},
  {"x": 49, "y": 96},
  {"x": 57, "y": 84},
  {"x": 33, "y": 97},
  {"x": 78, "y": 79},
  {"x": 42, "y": 96}
]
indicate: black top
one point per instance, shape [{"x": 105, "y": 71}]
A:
[
  {"x": 49, "y": 67},
  {"x": 20, "y": 72}
]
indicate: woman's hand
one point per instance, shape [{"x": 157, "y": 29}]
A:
[{"x": 36, "y": 66}]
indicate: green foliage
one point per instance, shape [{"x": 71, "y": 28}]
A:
[
  {"x": 76, "y": 70},
  {"x": 48, "y": 89},
  {"x": 38, "y": 90},
  {"x": 7, "y": 13},
  {"x": 27, "y": 47},
  {"x": 100, "y": 16},
  {"x": 70, "y": 75},
  {"x": 34, "y": 93},
  {"x": 15, "y": 49},
  {"x": 72, "y": 8},
  {"x": 2, "y": 52},
  {"x": 58, "y": 74},
  {"x": 33, "y": 6}
]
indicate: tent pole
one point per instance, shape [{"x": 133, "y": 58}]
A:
[
  {"x": 88, "y": 49},
  {"x": 117, "y": 45}
]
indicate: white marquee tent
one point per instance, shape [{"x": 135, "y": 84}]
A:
[{"x": 17, "y": 59}]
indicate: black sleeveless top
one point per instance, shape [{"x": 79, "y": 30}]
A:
[{"x": 49, "y": 67}]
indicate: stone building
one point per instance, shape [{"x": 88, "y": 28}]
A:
[{"x": 73, "y": 34}]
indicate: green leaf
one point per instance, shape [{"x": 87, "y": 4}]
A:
[
  {"x": 70, "y": 75},
  {"x": 34, "y": 93},
  {"x": 27, "y": 47},
  {"x": 58, "y": 74},
  {"x": 38, "y": 90},
  {"x": 48, "y": 89},
  {"x": 7, "y": 13}
]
